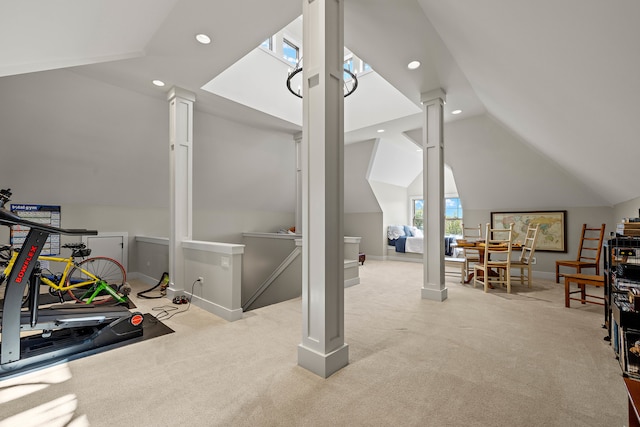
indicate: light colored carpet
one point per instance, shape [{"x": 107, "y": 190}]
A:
[{"x": 476, "y": 359}]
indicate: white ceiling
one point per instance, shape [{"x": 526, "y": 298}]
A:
[{"x": 561, "y": 75}]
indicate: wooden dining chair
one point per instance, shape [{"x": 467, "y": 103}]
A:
[
  {"x": 588, "y": 252},
  {"x": 526, "y": 256},
  {"x": 495, "y": 265},
  {"x": 471, "y": 255}
]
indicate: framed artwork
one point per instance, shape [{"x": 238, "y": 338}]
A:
[{"x": 552, "y": 234}]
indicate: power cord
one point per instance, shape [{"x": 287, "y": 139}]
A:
[{"x": 165, "y": 310}]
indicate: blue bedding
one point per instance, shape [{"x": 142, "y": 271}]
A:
[{"x": 401, "y": 242}]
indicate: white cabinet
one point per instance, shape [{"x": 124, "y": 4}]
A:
[{"x": 113, "y": 245}]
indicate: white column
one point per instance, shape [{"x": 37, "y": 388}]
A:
[
  {"x": 298, "y": 141},
  {"x": 323, "y": 350},
  {"x": 433, "y": 287},
  {"x": 181, "y": 182}
]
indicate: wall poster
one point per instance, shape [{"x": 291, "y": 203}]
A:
[
  {"x": 552, "y": 234},
  {"x": 42, "y": 214}
]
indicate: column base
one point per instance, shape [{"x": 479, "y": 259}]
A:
[
  {"x": 435, "y": 294},
  {"x": 323, "y": 365}
]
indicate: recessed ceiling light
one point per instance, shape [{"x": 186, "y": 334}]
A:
[
  {"x": 456, "y": 112},
  {"x": 380, "y": 130},
  {"x": 413, "y": 65},
  {"x": 203, "y": 38},
  {"x": 159, "y": 83}
]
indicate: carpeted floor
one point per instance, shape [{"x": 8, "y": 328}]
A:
[{"x": 476, "y": 359}]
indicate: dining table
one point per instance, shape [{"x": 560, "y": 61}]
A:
[{"x": 480, "y": 246}]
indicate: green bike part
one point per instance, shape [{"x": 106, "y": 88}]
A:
[{"x": 102, "y": 286}]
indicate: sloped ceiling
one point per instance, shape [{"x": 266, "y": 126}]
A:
[
  {"x": 561, "y": 76},
  {"x": 45, "y": 35}
]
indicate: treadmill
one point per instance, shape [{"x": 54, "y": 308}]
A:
[{"x": 65, "y": 331}]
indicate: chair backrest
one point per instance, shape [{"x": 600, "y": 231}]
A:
[
  {"x": 529, "y": 244},
  {"x": 472, "y": 234},
  {"x": 498, "y": 244},
  {"x": 590, "y": 244}
]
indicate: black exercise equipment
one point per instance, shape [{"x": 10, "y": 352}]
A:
[{"x": 67, "y": 329}]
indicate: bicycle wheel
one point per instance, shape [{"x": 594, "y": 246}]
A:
[{"x": 105, "y": 269}]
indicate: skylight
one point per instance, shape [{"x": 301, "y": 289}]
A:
[{"x": 258, "y": 80}]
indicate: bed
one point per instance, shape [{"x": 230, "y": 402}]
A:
[{"x": 408, "y": 239}]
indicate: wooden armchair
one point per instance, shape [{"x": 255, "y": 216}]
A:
[
  {"x": 526, "y": 256},
  {"x": 471, "y": 255},
  {"x": 588, "y": 252},
  {"x": 495, "y": 265}
]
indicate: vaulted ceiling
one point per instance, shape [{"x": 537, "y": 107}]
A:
[{"x": 562, "y": 76}]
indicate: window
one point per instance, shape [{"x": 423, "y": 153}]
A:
[
  {"x": 348, "y": 65},
  {"x": 290, "y": 52},
  {"x": 452, "y": 215},
  {"x": 417, "y": 213},
  {"x": 268, "y": 44}
]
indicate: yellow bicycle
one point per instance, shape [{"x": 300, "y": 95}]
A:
[{"x": 96, "y": 280}]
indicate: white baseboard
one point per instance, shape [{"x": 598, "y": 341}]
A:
[
  {"x": 351, "y": 282},
  {"x": 400, "y": 258},
  {"x": 230, "y": 315},
  {"x": 220, "y": 311}
]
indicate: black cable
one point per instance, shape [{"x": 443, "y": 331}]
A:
[
  {"x": 164, "y": 280},
  {"x": 166, "y": 309}
]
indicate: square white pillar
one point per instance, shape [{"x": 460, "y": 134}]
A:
[
  {"x": 322, "y": 349},
  {"x": 181, "y": 181},
  {"x": 433, "y": 175}
]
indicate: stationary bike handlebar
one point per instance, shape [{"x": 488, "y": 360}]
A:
[{"x": 9, "y": 218}]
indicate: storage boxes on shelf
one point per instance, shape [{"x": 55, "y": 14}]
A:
[{"x": 622, "y": 300}]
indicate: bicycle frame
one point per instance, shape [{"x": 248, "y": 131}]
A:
[{"x": 60, "y": 286}]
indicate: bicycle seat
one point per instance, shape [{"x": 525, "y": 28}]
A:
[{"x": 74, "y": 245}]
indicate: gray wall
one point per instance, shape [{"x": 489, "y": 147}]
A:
[
  {"x": 546, "y": 261},
  {"x": 102, "y": 153},
  {"x": 363, "y": 215},
  {"x": 628, "y": 209},
  {"x": 369, "y": 227},
  {"x": 494, "y": 169}
]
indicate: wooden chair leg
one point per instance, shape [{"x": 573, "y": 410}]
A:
[{"x": 557, "y": 273}]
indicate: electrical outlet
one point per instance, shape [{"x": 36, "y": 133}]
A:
[
  {"x": 533, "y": 260},
  {"x": 201, "y": 280}
]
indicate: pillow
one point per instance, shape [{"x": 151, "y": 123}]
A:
[
  {"x": 407, "y": 231},
  {"x": 395, "y": 231},
  {"x": 417, "y": 232}
]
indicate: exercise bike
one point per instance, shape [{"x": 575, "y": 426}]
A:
[{"x": 57, "y": 332}]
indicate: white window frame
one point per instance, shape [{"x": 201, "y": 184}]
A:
[
  {"x": 292, "y": 45},
  {"x": 412, "y": 200}
]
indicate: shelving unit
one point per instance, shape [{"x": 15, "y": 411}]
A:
[{"x": 622, "y": 313}]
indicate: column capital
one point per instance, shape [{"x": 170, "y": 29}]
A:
[
  {"x": 433, "y": 96},
  {"x": 297, "y": 137},
  {"x": 178, "y": 92}
]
